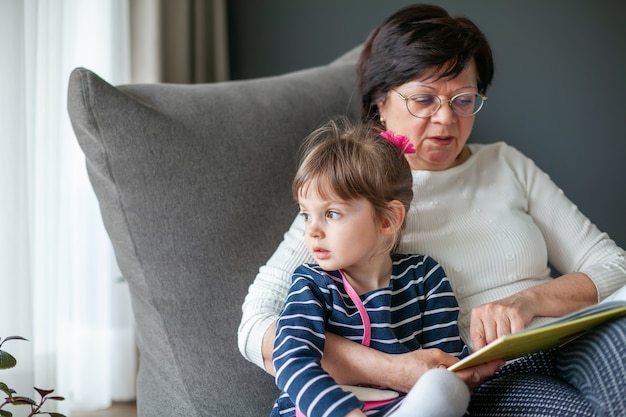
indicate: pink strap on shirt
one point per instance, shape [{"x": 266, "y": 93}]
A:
[
  {"x": 367, "y": 326},
  {"x": 367, "y": 333}
]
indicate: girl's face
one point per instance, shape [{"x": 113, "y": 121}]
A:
[
  {"x": 340, "y": 234},
  {"x": 439, "y": 139}
]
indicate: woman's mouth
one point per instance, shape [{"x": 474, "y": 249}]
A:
[{"x": 440, "y": 140}]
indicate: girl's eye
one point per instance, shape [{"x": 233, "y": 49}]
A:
[
  {"x": 305, "y": 216},
  {"x": 333, "y": 215}
]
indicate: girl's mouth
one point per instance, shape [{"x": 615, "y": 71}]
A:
[{"x": 321, "y": 253}]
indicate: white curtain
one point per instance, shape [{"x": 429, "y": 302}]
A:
[{"x": 59, "y": 284}]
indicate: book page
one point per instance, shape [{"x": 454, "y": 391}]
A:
[{"x": 545, "y": 337}]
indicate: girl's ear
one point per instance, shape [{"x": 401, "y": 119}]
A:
[{"x": 393, "y": 223}]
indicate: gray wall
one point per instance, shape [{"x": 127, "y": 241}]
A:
[{"x": 559, "y": 93}]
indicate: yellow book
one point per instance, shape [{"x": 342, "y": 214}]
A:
[{"x": 556, "y": 333}]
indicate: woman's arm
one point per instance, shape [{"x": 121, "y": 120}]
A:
[
  {"x": 351, "y": 363},
  {"x": 593, "y": 266},
  {"x": 574, "y": 245},
  {"x": 266, "y": 296}
]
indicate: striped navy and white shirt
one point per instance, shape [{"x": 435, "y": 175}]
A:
[{"x": 417, "y": 310}]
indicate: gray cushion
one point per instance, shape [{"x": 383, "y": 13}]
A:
[{"x": 193, "y": 183}]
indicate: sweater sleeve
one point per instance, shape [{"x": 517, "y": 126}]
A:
[
  {"x": 574, "y": 243},
  {"x": 298, "y": 348},
  {"x": 266, "y": 295}
]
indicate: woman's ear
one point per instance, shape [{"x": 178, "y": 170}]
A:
[
  {"x": 393, "y": 223},
  {"x": 380, "y": 103}
]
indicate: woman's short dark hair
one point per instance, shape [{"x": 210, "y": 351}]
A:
[{"x": 419, "y": 41}]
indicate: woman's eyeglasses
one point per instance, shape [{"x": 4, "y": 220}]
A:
[{"x": 425, "y": 105}]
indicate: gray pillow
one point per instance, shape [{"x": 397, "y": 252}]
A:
[{"x": 193, "y": 183}]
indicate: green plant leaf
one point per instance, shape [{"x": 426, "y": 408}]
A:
[
  {"x": 7, "y": 360},
  {"x": 5, "y": 388},
  {"x": 22, "y": 401},
  {"x": 55, "y": 414},
  {"x": 4, "y": 413}
]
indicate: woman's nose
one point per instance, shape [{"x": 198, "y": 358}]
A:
[{"x": 444, "y": 115}]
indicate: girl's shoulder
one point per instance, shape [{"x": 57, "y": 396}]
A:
[
  {"x": 314, "y": 273},
  {"x": 412, "y": 262},
  {"x": 415, "y": 275}
]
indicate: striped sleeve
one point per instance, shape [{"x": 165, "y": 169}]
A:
[{"x": 298, "y": 348}]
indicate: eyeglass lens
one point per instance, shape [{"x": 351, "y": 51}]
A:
[{"x": 463, "y": 105}]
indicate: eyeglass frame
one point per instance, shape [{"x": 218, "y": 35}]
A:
[{"x": 441, "y": 101}]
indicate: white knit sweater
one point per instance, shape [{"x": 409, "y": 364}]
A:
[{"x": 493, "y": 222}]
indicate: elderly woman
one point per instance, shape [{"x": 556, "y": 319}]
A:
[{"x": 490, "y": 216}]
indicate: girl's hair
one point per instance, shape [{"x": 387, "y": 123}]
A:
[
  {"x": 419, "y": 41},
  {"x": 348, "y": 161}
]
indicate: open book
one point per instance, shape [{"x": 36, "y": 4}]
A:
[{"x": 556, "y": 333}]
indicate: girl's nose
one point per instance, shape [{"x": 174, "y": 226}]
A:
[{"x": 313, "y": 229}]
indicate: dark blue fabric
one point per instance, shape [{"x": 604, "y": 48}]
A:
[
  {"x": 585, "y": 378},
  {"x": 596, "y": 366}
]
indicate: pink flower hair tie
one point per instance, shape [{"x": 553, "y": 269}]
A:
[{"x": 400, "y": 141}]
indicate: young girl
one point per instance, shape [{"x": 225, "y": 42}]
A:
[{"x": 354, "y": 187}]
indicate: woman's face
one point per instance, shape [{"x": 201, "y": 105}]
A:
[{"x": 439, "y": 139}]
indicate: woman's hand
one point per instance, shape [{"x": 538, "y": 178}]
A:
[
  {"x": 475, "y": 375},
  {"x": 490, "y": 321},
  {"x": 403, "y": 370},
  {"x": 409, "y": 367},
  {"x": 555, "y": 298}
]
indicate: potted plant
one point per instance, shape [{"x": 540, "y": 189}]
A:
[{"x": 8, "y": 361}]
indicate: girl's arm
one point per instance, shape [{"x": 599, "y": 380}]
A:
[{"x": 298, "y": 349}]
